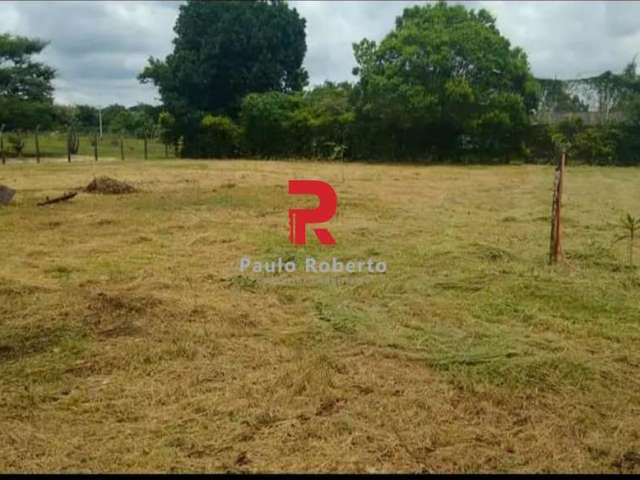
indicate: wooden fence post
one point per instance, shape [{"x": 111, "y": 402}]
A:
[
  {"x": 95, "y": 146},
  {"x": 37, "y": 145},
  {"x": 4, "y": 160},
  {"x": 555, "y": 247},
  {"x": 121, "y": 148}
]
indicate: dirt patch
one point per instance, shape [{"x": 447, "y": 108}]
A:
[
  {"x": 114, "y": 315},
  {"x": 629, "y": 462},
  {"x": 109, "y": 186}
]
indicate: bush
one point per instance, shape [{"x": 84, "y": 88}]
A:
[
  {"x": 272, "y": 124},
  {"x": 219, "y": 137},
  {"x": 540, "y": 144},
  {"x": 596, "y": 145}
]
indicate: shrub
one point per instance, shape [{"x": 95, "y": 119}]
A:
[
  {"x": 17, "y": 142},
  {"x": 270, "y": 124},
  {"x": 596, "y": 145},
  {"x": 219, "y": 137},
  {"x": 540, "y": 146}
]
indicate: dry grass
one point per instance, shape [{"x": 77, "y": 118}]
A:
[{"x": 130, "y": 342}]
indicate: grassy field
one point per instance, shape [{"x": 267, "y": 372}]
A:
[{"x": 130, "y": 341}]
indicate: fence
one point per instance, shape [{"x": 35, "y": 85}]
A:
[{"x": 52, "y": 146}]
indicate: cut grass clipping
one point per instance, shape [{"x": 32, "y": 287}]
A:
[{"x": 130, "y": 341}]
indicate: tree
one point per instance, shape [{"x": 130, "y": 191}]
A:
[
  {"x": 443, "y": 81},
  {"x": 329, "y": 118},
  {"x": 168, "y": 133},
  {"x": 133, "y": 121},
  {"x": 25, "y": 85},
  {"x": 86, "y": 118},
  {"x": 268, "y": 121},
  {"x": 554, "y": 97},
  {"x": 224, "y": 51},
  {"x": 109, "y": 113}
]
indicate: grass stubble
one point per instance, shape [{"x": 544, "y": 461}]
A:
[{"x": 130, "y": 341}]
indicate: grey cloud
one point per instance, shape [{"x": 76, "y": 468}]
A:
[
  {"x": 332, "y": 28},
  {"x": 570, "y": 39},
  {"x": 98, "y": 48}
]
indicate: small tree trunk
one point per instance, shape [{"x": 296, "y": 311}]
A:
[
  {"x": 69, "y": 146},
  {"x": 555, "y": 249},
  {"x": 37, "y": 145},
  {"x": 145, "y": 146},
  {"x": 95, "y": 146},
  {"x": 121, "y": 148},
  {"x": 166, "y": 150},
  {"x": 631, "y": 241}
]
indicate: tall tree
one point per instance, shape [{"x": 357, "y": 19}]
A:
[
  {"x": 554, "y": 97},
  {"x": 444, "y": 80},
  {"x": 225, "y": 50},
  {"x": 25, "y": 85}
]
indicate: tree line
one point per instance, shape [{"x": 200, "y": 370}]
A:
[{"x": 444, "y": 85}]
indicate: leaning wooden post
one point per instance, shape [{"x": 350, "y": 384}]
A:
[
  {"x": 555, "y": 248},
  {"x": 95, "y": 146},
  {"x": 4, "y": 160},
  {"x": 37, "y": 145},
  {"x": 121, "y": 148}
]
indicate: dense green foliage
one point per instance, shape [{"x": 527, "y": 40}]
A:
[
  {"x": 219, "y": 137},
  {"x": 25, "y": 85},
  {"x": 612, "y": 142},
  {"x": 443, "y": 85},
  {"x": 317, "y": 123},
  {"x": 443, "y": 82},
  {"x": 224, "y": 51}
]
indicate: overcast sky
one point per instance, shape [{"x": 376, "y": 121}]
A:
[{"x": 98, "y": 48}]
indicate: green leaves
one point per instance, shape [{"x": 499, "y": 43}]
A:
[
  {"x": 224, "y": 51},
  {"x": 444, "y": 75},
  {"x": 317, "y": 123},
  {"x": 25, "y": 85},
  {"x": 220, "y": 136}
]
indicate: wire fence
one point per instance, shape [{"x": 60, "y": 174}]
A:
[{"x": 52, "y": 146}]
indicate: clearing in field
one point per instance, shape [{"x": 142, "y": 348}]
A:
[{"x": 130, "y": 341}]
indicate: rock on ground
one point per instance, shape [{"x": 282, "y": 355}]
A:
[{"x": 6, "y": 194}]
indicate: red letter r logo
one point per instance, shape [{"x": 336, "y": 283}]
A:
[{"x": 299, "y": 217}]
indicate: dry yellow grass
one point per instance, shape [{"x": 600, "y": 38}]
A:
[{"x": 130, "y": 342}]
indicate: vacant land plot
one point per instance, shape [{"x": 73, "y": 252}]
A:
[{"x": 130, "y": 341}]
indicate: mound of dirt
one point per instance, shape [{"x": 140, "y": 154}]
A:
[{"x": 107, "y": 185}]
